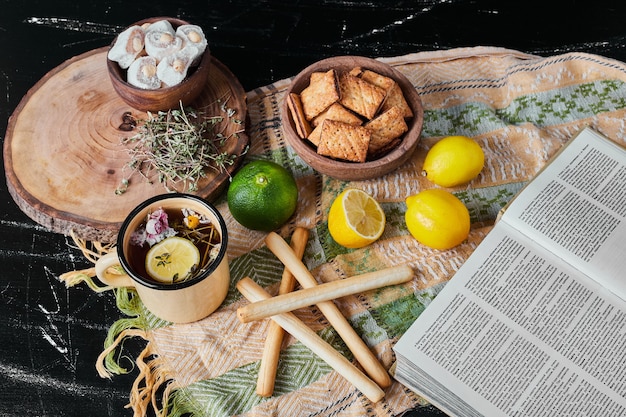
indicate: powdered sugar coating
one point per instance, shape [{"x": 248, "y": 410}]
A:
[
  {"x": 160, "y": 44},
  {"x": 128, "y": 45},
  {"x": 142, "y": 73},
  {"x": 193, "y": 35},
  {"x": 173, "y": 68},
  {"x": 172, "y": 50}
]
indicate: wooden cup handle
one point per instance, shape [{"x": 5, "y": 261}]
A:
[{"x": 104, "y": 274}]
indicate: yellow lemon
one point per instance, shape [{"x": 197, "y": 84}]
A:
[
  {"x": 453, "y": 160},
  {"x": 355, "y": 219},
  {"x": 173, "y": 259},
  {"x": 437, "y": 219}
]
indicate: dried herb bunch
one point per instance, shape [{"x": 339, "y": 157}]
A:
[{"x": 179, "y": 145}]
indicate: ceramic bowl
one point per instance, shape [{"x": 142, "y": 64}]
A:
[
  {"x": 164, "y": 98},
  {"x": 345, "y": 170}
]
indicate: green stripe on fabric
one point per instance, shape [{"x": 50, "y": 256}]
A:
[
  {"x": 566, "y": 104},
  {"x": 235, "y": 391},
  {"x": 396, "y": 317},
  {"x": 229, "y": 394},
  {"x": 182, "y": 404},
  {"x": 546, "y": 108},
  {"x": 468, "y": 119},
  {"x": 367, "y": 326},
  {"x": 286, "y": 157},
  {"x": 485, "y": 203},
  {"x": 260, "y": 265},
  {"x": 314, "y": 254},
  {"x": 297, "y": 369}
]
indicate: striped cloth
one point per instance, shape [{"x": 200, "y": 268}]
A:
[{"x": 520, "y": 108}]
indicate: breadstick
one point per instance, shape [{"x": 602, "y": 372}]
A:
[
  {"x": 359, "y": 349},
  {"x": 271, "y": 352},
  {"x": 291, "y": 324},
  {"x": 324, "y": 292}
]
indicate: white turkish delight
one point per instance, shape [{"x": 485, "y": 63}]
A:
[
  {"x": 172, "y": 69},
  {"x": 161, "y": 43},
  {"x": 193, "y": 35},
  {"x": 142, "y": 73},
  {"x": 159, "y": 26},
  {"x": 128, "y": 45}
]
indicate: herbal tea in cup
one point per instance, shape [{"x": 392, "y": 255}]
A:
[
  {"x": 174, "y": 245},
  {"x": 172, "y": 249}
]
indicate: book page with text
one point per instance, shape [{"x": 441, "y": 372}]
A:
[
  {"x": 576, "y": 207},
  {"x": 518, "y": 332}
]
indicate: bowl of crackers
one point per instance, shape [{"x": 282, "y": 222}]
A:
[
  {"x": 159, "y": 62},
  {"x": 352, "y": 118}
]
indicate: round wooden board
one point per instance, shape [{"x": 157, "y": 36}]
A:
[{"x": 63, "y": 154}]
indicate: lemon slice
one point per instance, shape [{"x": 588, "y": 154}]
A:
[
  {"x": 172, "y": 259},
  {"x": 355, "y": 219}
]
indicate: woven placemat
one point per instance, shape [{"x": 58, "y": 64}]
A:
[{"x": 520, "y": 108}]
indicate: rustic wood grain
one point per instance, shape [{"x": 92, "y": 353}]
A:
[{"x": 63, "y": 152}]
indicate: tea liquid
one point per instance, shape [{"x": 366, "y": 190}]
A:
[{"x": 205, "y": 237}]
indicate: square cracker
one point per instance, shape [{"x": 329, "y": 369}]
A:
[
  {"x": 321, "y": 92},
  {"x": 377, "y": 79},
  {"x": 356, "y": 71},
  {"x": 315, "y": 135},
  {"x": 303, "y": 128},
  {"x": 344, "y": 141},
  {"x": 335, "y": 112},
  {"x": 395, "y": 97},
  {"x": 385, "y": 128},
  {"x": 360, "y": 96}
]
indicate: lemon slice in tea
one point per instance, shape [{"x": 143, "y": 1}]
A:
[
  {"x": 355, "y": 219},
  {"x": 171, "y": 260}
]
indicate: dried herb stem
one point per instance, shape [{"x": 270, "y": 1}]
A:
[
  {"x": 179, "y": 145},
  {"x": 206, "y": 236}
]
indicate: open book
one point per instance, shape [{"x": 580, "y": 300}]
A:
[{"x": 534, "y": 322}]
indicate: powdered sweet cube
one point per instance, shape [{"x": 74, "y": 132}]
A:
[
  {"x": 142, "y": 73},
  {"x": 159, "y": 26},
  {"x": 173, "y": 52},
  {"x": 160, "y": 44},
  {"x": 192, "y": 35},
  {"x": 129, "y": 44},
  {"x": 172, "y": 69}
]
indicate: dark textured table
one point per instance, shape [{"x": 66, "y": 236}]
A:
[{"x": 50, "y": 336}]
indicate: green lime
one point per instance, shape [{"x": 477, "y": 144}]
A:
[{"x": 262, "y": 195}]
